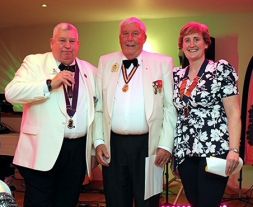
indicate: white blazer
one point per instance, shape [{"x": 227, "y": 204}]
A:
[
  {"x": 160, "y": 112},
  {"x": 44, "y": 116}
]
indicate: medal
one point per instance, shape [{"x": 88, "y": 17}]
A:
[
  {"x": 186, "y": 93},
  {"x": 71, "y": 105},
  {"x": 125, "y": 88},
  {"x": 127, "y": 77},
  {"x": 71, "y": 124}
]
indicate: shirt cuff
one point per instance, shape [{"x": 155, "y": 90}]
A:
[
  {"x": 166, "y": 148},
  {"x": 98, "y": 142}
]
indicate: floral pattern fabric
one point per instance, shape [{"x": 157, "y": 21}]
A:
[{"x": 204, "y": 131}]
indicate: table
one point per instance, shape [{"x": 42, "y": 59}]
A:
[{"x": 8, "y": 143}]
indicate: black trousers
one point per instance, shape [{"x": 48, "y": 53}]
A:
[
  {"x": 6, "y": 167},
  {"x": 59, "y": 187},
  {"x": 202, "y": 189},
  {"x": 124, "y": 179}
]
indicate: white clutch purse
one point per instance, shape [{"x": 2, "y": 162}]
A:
[{"x": 218, "y": 166}]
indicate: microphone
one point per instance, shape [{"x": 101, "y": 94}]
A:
[
  {"x": 70, "y": 91},
  {"x": 70, "y": 68}
]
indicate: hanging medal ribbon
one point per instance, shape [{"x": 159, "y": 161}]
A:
[
  {"x": 189, "y": 90},
  {"x": 128, "y": 77},
  {"x": 185, "y": 94},
  {"x": 71, "y": 107}
]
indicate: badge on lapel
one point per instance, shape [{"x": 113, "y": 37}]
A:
[
  {"x": 95, "y": 100},
  {"x": 157, "y": 86},
  {"x": 115, "y": 67},
  {"x": 54, "y": 71}
]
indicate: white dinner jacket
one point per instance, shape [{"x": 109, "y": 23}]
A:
[
  {"x": 160, "y": 112},
  {"x": 44, "y": 116}
]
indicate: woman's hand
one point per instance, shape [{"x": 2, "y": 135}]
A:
[{"x": 232, "y": 162}]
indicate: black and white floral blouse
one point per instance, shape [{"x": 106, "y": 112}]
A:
[{"x": 204, "y": 132}]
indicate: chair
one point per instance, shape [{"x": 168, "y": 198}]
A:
[
  {"x": 178, "y": 193},
  {"x": 168, "y": 182}
]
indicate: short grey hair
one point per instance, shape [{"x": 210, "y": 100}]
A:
[
  {"x": 133, "y": 20},
  {"x": 64, "y": 26}
]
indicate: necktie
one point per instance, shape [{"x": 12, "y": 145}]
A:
[
  {"x": 127, "y": 63},
  {"x": 70, "y": 68}
]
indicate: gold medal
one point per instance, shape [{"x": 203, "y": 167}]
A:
[
  {"x": 125, "y": 88},
  {"x": 71, "y": 124},
  {"x": 127, "y": 77}
]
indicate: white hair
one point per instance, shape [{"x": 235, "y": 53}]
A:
[
  {"x": 64, "y": 26},
  {"x": 133, "y": 20}
]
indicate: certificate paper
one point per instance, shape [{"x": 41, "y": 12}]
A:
[
  {"x": 153, "y": 178},
  {"x": 218, "y": 166}
]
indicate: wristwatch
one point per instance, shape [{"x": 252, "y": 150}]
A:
[
  {"x": 49, "y": 86},
  {"x": 236, "y": 150}
]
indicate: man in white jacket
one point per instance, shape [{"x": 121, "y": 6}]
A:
[
  {"x": 58, "y": 93},
  {"x": 135, "y": 116}
]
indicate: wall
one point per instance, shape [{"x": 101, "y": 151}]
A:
[{"x": 233, "y": 35}]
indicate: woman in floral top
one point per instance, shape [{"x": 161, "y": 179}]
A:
[{"x": 207, "y": 100}]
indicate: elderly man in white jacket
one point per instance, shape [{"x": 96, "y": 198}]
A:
[{"x": 55, "y": 136}]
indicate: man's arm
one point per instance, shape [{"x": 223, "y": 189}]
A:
[{"x": 165, "y": 146}]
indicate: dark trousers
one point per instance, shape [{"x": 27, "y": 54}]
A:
[
  {"x": 6, "y": 168},
  {"x": 124, "y": 179},
  {"x": 202, "y": 189},
  {"x": 59, "y": 187}
]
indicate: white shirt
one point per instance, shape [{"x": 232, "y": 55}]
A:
[
  {"x": 80, "y": 118},
  {"x": 129, "y": 115}
]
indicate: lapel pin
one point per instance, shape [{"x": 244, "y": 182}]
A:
[
  {"x": 115, "y": 67},
  {"x": 54, "y": 71},
  {"x": 157, "y": 85}
]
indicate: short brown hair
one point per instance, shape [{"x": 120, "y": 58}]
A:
[{"x": 194, "y": 27}]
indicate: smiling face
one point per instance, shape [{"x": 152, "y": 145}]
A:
[
  {"x": 132, "y": 39},
  {"x": 194, "y": 47},
  {"x": 65, "y": 45},
  {"x": 193, "y": 40}
]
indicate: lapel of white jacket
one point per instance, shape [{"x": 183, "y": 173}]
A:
[
  {"x": 113, "y": 75},
  {"x": 86, "y": 78},
  {"x": 52, "y": 70},
  {"x": 147, "y": 71}
]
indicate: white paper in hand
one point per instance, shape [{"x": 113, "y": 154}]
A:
[
  {"x": 218, "y": 166},
  {"x": 153, "y": 178}
]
